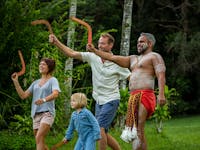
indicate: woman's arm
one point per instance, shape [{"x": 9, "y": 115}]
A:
[{"x": 22, "y": 94}]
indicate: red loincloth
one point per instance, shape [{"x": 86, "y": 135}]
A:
[{"x": 147, "y": 98}]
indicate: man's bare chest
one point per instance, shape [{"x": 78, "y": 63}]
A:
[{"x": 141, "y": 63}]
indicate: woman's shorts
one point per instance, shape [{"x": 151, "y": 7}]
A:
[{"x": 43, "y": 117}]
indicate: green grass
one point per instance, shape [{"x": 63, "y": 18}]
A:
[{"x": 178, "y": 134}]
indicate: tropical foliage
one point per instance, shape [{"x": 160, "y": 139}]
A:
[{"x": 175, "y": 25}]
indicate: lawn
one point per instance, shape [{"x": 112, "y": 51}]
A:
[{"x": 178, "y": 134}]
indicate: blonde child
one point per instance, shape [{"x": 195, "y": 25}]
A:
[{"x": 84, "y": 122}]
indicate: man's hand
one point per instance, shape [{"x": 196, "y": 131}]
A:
[
  {"x": 14, "y": 76},
  {"x": 90, "y": 48},
  {"x": 52, "y": 39},
  {"x": 161, "y": 100}
]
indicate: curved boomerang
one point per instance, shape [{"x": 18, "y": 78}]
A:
[
  {"x": 89, "y": 29},
  {"x": 20, "y": 73},
  {"x": 45, "y": 22},
  {"x": 59, "y": 144}
]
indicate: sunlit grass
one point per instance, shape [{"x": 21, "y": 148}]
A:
[{"x": 177, "y": 134}]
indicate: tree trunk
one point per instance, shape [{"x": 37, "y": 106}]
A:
[
  {"x": 69, "y": 61},
  {"x": 184, "y": 12},
  {"x": 126, "y": 32}
]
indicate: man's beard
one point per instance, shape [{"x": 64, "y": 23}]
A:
[{"x": 143, "y": 49}]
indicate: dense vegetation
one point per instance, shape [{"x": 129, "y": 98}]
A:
[{"x": 175, "y": 25}]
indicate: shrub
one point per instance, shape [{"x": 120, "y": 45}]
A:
[{"x": 14, "y": 141}]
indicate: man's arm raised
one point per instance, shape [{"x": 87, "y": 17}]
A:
[
  {"x": 66, "y": 50},
  {"x": 123, "y": 61}
]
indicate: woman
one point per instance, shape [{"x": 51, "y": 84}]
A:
[{"x": 44, "y": 91}]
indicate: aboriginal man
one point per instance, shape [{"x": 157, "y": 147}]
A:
[{"x": 144, "y": 67}]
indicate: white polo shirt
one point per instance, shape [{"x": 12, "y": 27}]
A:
[{"x": 105, "y": 78}]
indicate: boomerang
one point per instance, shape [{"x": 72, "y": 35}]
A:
[
  {"x": 20, "y": 73},
  {"x": 89, "y": 29},
  {"x": 45, "y": 22},
  {"x": 59, "y": 144}
]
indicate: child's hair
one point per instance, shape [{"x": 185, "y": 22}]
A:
[{"x": 80, "y": 98}]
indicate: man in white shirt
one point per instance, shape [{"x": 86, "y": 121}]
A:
[{"x": 105, "y": 79}]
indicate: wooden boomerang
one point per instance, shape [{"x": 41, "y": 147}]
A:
[
  {"x": 43, "y": 22},
  {"x": 23, "y": 64},
  {"x": 57, "y": 145},
  {"x": 89, "y": 29}
]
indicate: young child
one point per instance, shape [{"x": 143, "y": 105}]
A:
[{"x": 84, "y": 122}]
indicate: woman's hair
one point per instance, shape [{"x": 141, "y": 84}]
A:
[
  {"x": 80, "y": 98},
  {"x": 50, "y": 63}
]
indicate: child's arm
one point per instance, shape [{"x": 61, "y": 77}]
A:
[{"x": 68, "y": 135}]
